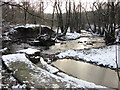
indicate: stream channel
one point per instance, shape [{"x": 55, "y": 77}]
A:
[{"x": 85, "y": 71}]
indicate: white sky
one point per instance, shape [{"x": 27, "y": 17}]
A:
[
  {"x": 49, "y": 8},
  {"x": 49, "y": 5}
]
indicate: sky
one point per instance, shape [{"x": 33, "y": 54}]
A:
[
  {"x": 49, "y": 4},
  {"x": 49, "y": 8}
]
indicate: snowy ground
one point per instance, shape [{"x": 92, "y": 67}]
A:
[
  {"x": 73, "y": 36},
  {"x": 3, "y": 50},
  {"x": 28, "y": 51},
  {"x": 48, "y": 67},
  {"x": 103, "y": 56},
  {"x": 31, "y": 26},
  {"x": 61, "y": 78}
]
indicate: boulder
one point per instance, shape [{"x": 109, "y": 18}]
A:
[
  {"x": 32, "y": 54},
  {"x": 46, "y": 30},
  {"x": 43, "y": 40},
  {"x": 30, "y": 31},
  {"x": 34, "y": 58},
  {"x": 23, "y": 32}
]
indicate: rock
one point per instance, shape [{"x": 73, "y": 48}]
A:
[
  {"x": 43, "y": 40},
  {"x": 44, "y": 37},
  {"x": 89, "y": 43},
  {"x": 32, "y": 54},
  {"x": 62, "y": 43},
  {"x": 80, "y": 42},
  {"x": 4, "y": 51},
  {"x": 5, "y": 39},
  {"x": 30, "y": 31},
  {"x": 46, "y": 30},
  {"x": 23, "y": 32},
  {"x": 34, "y": 58}
]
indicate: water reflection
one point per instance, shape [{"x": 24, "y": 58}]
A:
[{"x": 88, "y": 72}]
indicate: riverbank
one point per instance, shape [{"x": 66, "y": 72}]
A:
[
  {"x": 105, "y": 56},
  {"x": 41, "y": 77}
]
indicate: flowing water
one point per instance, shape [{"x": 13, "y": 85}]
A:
[
  {"x": 88, "y": 72},
  {"x": 82, "y": 43}
]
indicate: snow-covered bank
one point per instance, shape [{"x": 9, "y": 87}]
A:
[
  {"x": 11, "y": 58},
  {"x": 48, "y": 67},
  {"x": 31, "y": 26},
  {"x": 28, "y": 51},
  {"x": 43, "y": 77},
  {"x": 3, "y": 50},
  {"x": 103, "y": 56},
  {"x": 73, "y": 36}
]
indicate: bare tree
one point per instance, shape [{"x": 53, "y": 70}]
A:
[{"x": 25, "y": 5}]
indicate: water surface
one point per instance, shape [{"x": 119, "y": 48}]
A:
[
  {"x": 88, "y": 72},
  {"x": 82, "y": 43}
]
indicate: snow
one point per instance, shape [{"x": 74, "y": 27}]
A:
[
  {"x": 28, "y": 26},
  {"x": 48, "y": 67},
  {"x": 69, "y": 80},
  {"x": 28, "y": 51},
  {"x": 19, "y": 86},
  {"x": 5, "y": 38},
  {"x": 31, "y": 26},
  {"x": 3, "y": 50},
  {"x": 75, "y": 35},
  {"x": 12, "y": 79},
  {"x": 13, "y": 30},
  {"x": 8, "y": 59},
  {"x": 45, "y": 26},
  {"x": 117, "y": 33},
  {"x": 105, "y": 56},
  {"x": 70, "y": 36}
]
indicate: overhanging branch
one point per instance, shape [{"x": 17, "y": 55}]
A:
[{"x": 18, "y": 5}]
